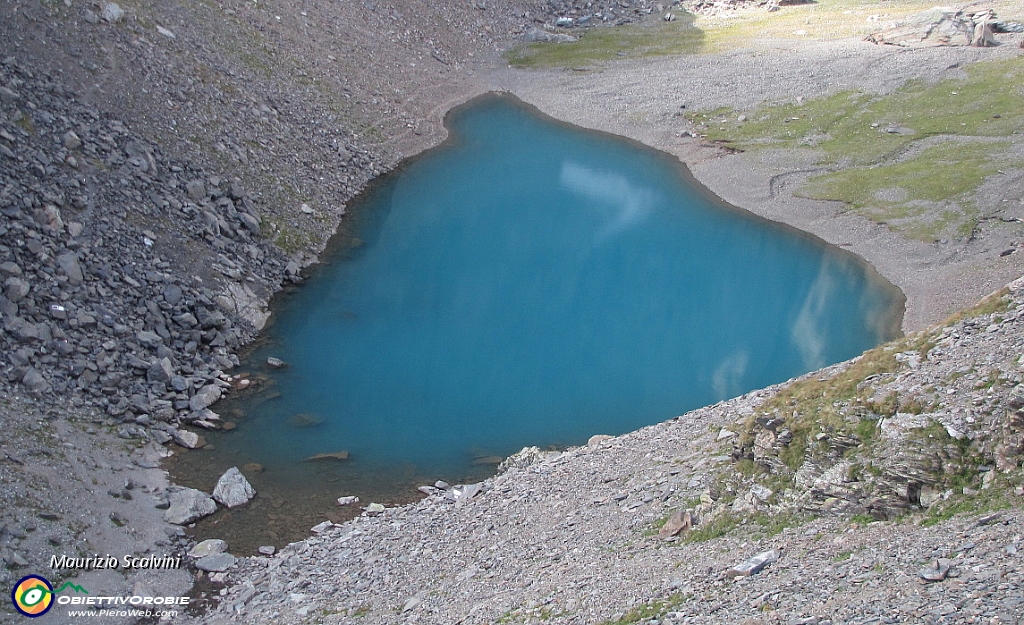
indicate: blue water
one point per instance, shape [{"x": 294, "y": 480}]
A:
[{"x": 533, "y": 283}]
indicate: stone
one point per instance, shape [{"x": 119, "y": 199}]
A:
[
  {"x": 597, "y": 439},
  {"x": 216, "y": 563},
  {"x": 16, "y": 289},
  {"x": 374, "y": 509},
  {"x": 187, "y": 505},
  {"x": 536, "y": 35},
  {"x": 266, "y": 550},
  {"x": 463, "y": 494},
  {"x": 196, "y": 190},
  {"x": 188, "y": 439},
  {"x": 342, "y": 455},
  {"x": 9, "y": 269},
  {"x": 70, "y": 140},
  {"x": 205, "y": 397},
  {"x": 68, "y": 264},
  {"x": 172, "y": 294},
  {"x": 680, "y": 521},
  {"x": 233, "y": 489},
  {"x": 937, "y": 572},
  {"x": 251, "y": 223},
  {"x": 754, "y": 565},
  {"x": 347, "y": 500},
  {"x": 276, "y": 363},
  {"x": 208, "y": 547},
  {"x": 111, "y": 13},
  {"x": 160, "y": 371},
  {"x": 940, "y": 26},
  {"x": 34, "y": 381},
  {"x": 322, "y": 527}
]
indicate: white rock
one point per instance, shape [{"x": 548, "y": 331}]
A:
[{"x": 233, "y": 489}]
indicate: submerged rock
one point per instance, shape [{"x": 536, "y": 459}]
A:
[
  {"x": 304, "y": 420},
  {"x": 208, "y": 547},
  {"x": 334, "y": 455}
]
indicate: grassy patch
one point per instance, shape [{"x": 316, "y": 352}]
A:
[
  {"x": 651, "y": 610},
  {"x": 773, "y": 524},
  {"x": 888, "y": 175},
  {"x": 901, "y": 195},
  {"x": 602, "y": 44},
  {"x": 1000, "y": 301},
  {"x": 984, "y": 501},
  {"x": 712, "y": 529}
]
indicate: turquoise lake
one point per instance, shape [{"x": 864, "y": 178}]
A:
[{"x": 534, "y": 283}]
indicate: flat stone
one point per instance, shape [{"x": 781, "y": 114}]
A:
[
  {"x": 938, "y": 571},
  {"x": 754, "y": 565},
  {"x": 216, "y": 563},
  {"x": 208, "y": 547},
  {"x": 187, "y": 505}
]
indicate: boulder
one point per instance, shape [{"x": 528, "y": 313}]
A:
[
  {"x": 940, "y": 26},
  {"x": 68, "y": 264},
  {"x": 216, "y": 563},
  {"x": 187, "y": 439},
  {"x": 187, "y": 505},
  {"x": 204, "y": 397},
  {"x": 233, "y": 489}
]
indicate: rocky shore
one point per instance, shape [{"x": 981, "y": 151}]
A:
[
  {"x": 165, "y": 169},
  {"x": 648, "y": 527}
]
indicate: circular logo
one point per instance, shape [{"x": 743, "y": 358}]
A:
[{"x": 32, "y": 596}]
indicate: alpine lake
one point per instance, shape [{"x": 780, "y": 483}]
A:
[{"x": 527, "y": 282}]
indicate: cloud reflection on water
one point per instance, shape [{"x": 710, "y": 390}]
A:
[{"x": 632, "y": 204}]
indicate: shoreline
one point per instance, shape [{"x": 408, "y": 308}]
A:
[{"x": 937, "y": 279}]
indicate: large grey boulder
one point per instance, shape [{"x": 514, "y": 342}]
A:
[
  {"x": 187, "y": 505},
  {"x": 940, "y": 26},
  {"x": 216, "y": 563},
  {"x": 204, "y": 397},
  {"x": 233, "y": 489}
]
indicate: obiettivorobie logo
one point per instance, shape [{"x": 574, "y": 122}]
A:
[{"x": 33, "y": 595}]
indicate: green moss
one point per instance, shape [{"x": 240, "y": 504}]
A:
[
  {"x": 983, "y": 502},
  {"x": 898, "y": 194},
  {"x": 888, "y": 175},
  {"x": 654, "y": 609},
  {"x": 602, "y": 44},
  {"x": 712, "y": 529}
]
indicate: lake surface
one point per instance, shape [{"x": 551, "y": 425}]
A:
[{"x": 534, "y": 283}]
